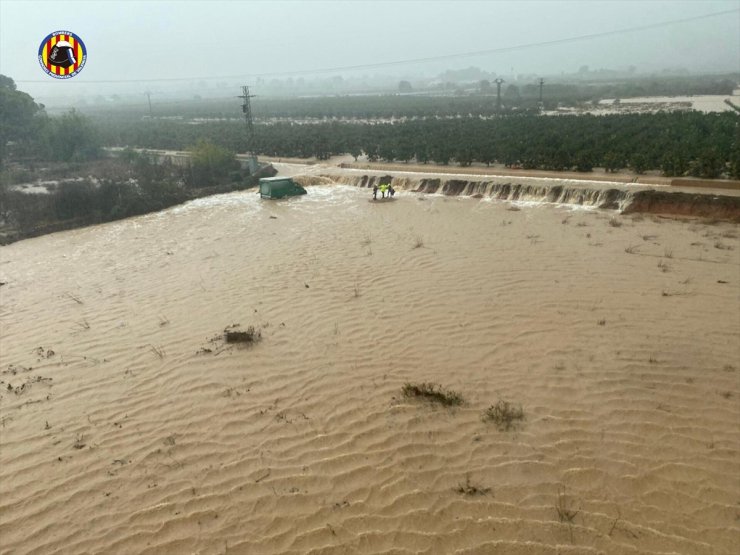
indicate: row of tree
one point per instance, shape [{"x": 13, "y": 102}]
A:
[
  {"x": 29, "y": 136},
  {"x": 676, "y": 143},
  {"x": 475, "y": 98}
]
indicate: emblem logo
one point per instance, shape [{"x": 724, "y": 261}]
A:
[{"x": 62, "y": 54}]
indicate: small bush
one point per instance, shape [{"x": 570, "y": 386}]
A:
[
  {"x": 504, "y": 415},
  {"x": 433, "y": 393}
]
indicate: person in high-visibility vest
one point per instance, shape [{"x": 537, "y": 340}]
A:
[{"x": 383, "y": 189}]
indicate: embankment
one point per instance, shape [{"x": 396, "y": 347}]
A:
[{"x": 626, "y": 198}]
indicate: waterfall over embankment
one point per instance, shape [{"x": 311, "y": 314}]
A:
[{"x": 609, "y": 196}]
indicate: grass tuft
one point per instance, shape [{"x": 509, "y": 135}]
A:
[
  {"x": 721, "y": 246},
  {"x": 566, "y": 513},
  {"x": 79, "y": 442},
  {"x": 434, "y": 393},
  {"x": 471, "y": 489},
  {"x": 504, "y": 415}
]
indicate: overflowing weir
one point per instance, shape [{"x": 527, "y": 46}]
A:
[{"x": 609, "y": 196}]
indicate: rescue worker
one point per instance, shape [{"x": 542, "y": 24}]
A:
[{"x": 375, "y": 192}]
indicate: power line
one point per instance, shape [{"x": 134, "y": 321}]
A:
[{"x": 418, "y": 60}]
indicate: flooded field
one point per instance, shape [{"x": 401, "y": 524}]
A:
[{"x": 130, "y": 425}]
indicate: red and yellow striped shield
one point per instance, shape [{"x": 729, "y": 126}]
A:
[{"x": 62, "y": 54}]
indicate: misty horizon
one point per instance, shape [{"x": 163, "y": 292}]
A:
[{"x": 175, "y": 47}]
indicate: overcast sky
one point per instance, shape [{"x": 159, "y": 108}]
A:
[{"x": 130, "y": 40}]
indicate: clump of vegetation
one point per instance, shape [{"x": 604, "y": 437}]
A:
[
  {"x": 564, "y": 508},
  {"x": 504, "y": 415},
  {"x": 721, "y": 246},
  {"x": 79, "y": 442},
  {"x": 471, "y": 489},
  {"x": 248, "y": 336},
  {"x": 157, "y": 350},
  {"x": 210, "y": 164},
  {"x": 433, "y": 393}
]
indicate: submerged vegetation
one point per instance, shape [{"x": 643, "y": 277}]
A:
[
  {"x": 128, "y": 185},
  {"x": 504, "y": 415},
  {"x": 434, "y": 393},
  {"x": 78, "y": 184}
]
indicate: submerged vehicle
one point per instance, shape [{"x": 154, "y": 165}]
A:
[{"x": 279, "y": 187}]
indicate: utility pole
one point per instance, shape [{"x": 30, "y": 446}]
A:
[
  {"x": 542, "y": 82},
  {"x": 149, "y": 98},
  {"x": 247, "y": 110},
  {"x": 498, "y": 82}
]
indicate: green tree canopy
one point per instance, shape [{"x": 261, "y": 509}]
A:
[
  {"x": 70, "y": 137},
  {"x": 17, "y": 111},
  {"x": 210, "y": 163}
]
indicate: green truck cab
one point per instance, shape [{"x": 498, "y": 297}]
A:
[{"x": 279, "y": 187}]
